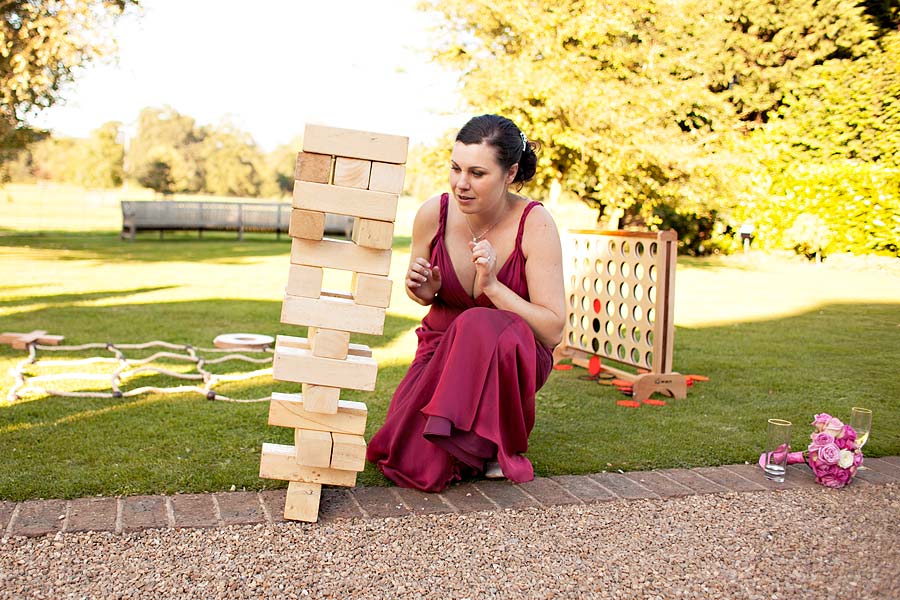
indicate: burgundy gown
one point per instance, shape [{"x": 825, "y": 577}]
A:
[{"x": 469, "y": 393}]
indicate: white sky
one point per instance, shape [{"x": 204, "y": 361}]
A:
[{"x": 268, "y": 67}]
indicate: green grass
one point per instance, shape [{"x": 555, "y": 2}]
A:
[{"x": 778, "y": 337}]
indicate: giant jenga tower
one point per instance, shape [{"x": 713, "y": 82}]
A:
[{"x": 358, "y": 174}]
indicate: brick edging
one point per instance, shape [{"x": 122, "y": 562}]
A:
[{"x": 222, "y": 509}]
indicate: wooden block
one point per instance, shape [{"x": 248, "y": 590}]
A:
[
  {"x": 279, "y": 462},
  {"x": 313, "y": 447},
  {"x": 302, "y": 501},
  {"x": 329, "y": 343},
  {"x": 382, "y": 147},
  {"x": 345, "y": 201},
  {"x": 291, "y": 341},
  {"x": 313, "y": 167},
  {"x": 304, "y": 281},
  {"x": 307, "y": 224},
  {"x": 289, "y": 410},
  {"x": 332, "y": 313},
  {"x": 373, "y": 234},
  {"x": 352, "y": 172},
  {"x": 349, "y": 452},
  {"x": 371, "y": 290},
  {"x": 301, "y": 366},
  {"x": 386, "y": 177},
  {"x": 340, "y": 254},
  {"x": 321, "y": 398}
]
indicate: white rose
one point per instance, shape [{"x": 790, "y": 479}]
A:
[{"x": 846, "y": 459}]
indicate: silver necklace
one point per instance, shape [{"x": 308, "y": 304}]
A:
[{"x": 479, "y": 237}]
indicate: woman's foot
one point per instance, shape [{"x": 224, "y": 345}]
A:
[{"x": 492, "y": 470}]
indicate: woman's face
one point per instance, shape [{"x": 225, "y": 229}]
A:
[{"x": 476, "y": 178}]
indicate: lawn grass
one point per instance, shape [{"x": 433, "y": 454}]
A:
[{"x": 778, "y": 337}]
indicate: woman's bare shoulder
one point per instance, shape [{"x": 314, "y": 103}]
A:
[{"x": 540, "y": 224}]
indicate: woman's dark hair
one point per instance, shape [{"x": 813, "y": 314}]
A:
[{"x": 508, "y": 140}]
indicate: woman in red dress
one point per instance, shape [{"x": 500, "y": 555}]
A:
[{"x": 489, "y": 263}]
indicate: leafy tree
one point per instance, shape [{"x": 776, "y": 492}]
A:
[
  {"x": 101, "y": 165},
  {"x": 165, "y": 137},
  {"x": 233, "y": 163}
]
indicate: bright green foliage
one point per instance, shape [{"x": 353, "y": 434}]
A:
[
  {"x": 231, "y": 163},
  {"x": 103, "y": 156},
  {"x": 165, "y": 152}
]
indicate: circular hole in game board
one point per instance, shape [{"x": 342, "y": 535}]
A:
[
  {"x": 651, "y": 316},
  {"x": 598, "y": 266},
  {"x": 650, "y": 337},
  {"x": 648, "y": 360},
  {"x": 653, "y": 249},
  {"x": 610, "y": 287},
  {"x": 598, "y": 286},
  {"x": 587, "y": 245},
  {"x": 586, "y": 284},
  {"x": 572, "y": 319},
  {"x": 623, "y": 331},
  {"x": 586, "y": 264},
  {"x": 572, "y": 300},
  {"x": 584, "y": 303},
  {"x": 626, "y": 248},
  {"x": 651, "y": 292},
  {"x": 639, "y": 249},
  {"x": 639, "y": 271},
  {"x": 620, "y": 352},
  {"x": 625, "y": 269},
  {"x": 635, "y": 355},
  {"x": 607, "y": 348},
  {"x": 575, "y": 243},
  {"x": 652, "y": 272},
  {"x": 612, "y": 247},
  {"x": 584, "y": 323},
  {"x": 595, "y": 344},
  {"x": 611, "y": 268},
  {"x": 572, "y": 281},
  {"x": 583, "y": 341},
  {"x": 610, "y": 308},
  {"x": 623, "y": 310},
  {"x": 571, "y": 338},
  {"x": 638, "y": 292},
  {"x": 596, "y": 325},
  {"x": 623, "y": 289},
  {"x": 636, "y": 334},
  {"x": 609, "y": 328},
  {"x": 638, "y": 312},
  {"x": 597, "y": 305}
]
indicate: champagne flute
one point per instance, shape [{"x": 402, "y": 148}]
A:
[{"x": 861, "y": 422}]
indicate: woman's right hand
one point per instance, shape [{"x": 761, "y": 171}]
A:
[{"x": 423, "y": 280}]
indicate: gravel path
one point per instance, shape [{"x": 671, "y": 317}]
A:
[{"x": 807, "y": 543}]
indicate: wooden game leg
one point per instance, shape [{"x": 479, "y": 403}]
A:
[
  {"x": 670, "y": 384},
  {"x": 302, "y": 501}
]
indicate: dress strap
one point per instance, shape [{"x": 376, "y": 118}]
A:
[
  {"x": 525, "y": 212},
  {"x": 442, "y": 220}
]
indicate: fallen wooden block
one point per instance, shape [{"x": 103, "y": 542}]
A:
[
  {"x": 313, "y": 447},
  {"x": 312, "y": 167},
  {"x": 348, "y": 452},
  {"x": 332, "y": 313},
  {"x": 301, "y": 366},
  {"x": 371, "y": 290},
  {"x": 382, "y": 147},
  {"x": 345, "y": 201},
  {"x": 340, "y": 254},
  {"x": 307, "y": 224},
  {"x": 20, "y": 341},
  {"x": 351, "y": 172},
  {"x": 386, "y": 177},
  {"x": 289, "y": 410},
  {"x": 278, "y": 461},
  {"x": 329, "y": 343},
  {"x": 302, "y": 501},
  {"x": 373, "y": 234},
  {"x": 305, "y": 281}
]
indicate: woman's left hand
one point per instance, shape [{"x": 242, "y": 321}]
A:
[{"x": 485, "y": 258}]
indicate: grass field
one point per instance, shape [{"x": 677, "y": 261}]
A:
[{"x": 778, "y": 337}]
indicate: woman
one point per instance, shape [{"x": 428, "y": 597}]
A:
[{"x": 489, "y": 263}]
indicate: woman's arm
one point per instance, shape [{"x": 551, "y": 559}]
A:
[
  {"x": 422, "y": 280},
  {"x": 546, "y": 312}
]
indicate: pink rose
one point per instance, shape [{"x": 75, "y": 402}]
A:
[
  {"x": 845, "y": 444},
  {"x": 849, "y": 433},
  {"x": 820, "y": 420},
  {"x": 835, "y": 427},
  {"x": 821, "y": 439},
  {"x": 830, "y": 454},
  {"x": 857, "y": 459}
]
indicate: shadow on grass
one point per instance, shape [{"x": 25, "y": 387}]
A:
[{"x": 56, "y": 299}]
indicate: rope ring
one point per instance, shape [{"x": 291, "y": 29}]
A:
[{"x": 243, "y": 340}]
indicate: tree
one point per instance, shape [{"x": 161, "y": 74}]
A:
[
  {"x": 165, "y": 137},
  {"x": 233, "y": 163},
  {"x": 103, "y": 154},
  {"x": 42, "y": 44}
]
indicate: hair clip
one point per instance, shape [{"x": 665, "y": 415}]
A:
[{"x": 524, "y": 141}]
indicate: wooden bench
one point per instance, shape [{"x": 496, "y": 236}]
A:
[{"x": 200, "y": 216}]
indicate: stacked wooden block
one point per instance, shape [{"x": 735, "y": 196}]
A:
[{"x": 358, "y": 174}]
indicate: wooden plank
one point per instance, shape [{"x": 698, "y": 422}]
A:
[
  {"x": 352, "y": 172},
  {"x": 289, "y": 410},
  {"x": 329, "y": 343},
  {"x": 382, "y": 147},
  {"x": 340, "y": 254},
  {"x": 371, "y": 290},
  {"x": 312, "y": 167},
  {"x": 302, "y": 501},
  {"x": 304, "y": 281},
  {"x": 373, "y": 234},
  {"x": 301, "y": 366},
  {"x": 332, "y": 313},
  {"x": 279, "y": 462},
  {"x": 321, "y": 398},
  {"x": 348, "y": 452},
  {"x": 345, "y": 201},
  {"x": 292, "y": 341},
  {"x": 313, "y": 447},
  {"x": 386, "y": 177},
  {"x": 307, "y": 224}
]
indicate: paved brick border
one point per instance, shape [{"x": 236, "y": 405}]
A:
[{"x": 134, "y": 513}]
